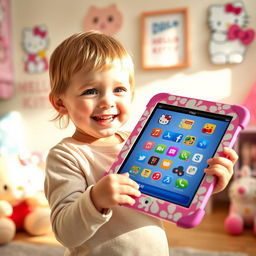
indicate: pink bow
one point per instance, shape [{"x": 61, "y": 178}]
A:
[
  {"x": 232, "y": 8},
  {"x": 39, "y": 32},
  {"x": 245, "y": 36}
]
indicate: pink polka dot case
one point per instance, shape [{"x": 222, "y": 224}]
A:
[{"x": 167, "y": 152}]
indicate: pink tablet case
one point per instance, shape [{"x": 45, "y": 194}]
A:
[{"x": 192, "y": 216}]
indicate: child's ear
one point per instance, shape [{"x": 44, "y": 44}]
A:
[{"x": 58, "y": 104}]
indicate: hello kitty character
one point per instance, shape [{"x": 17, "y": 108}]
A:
[
  {"x": 229, "y": 38},
  {"x": 164, "y": 119},
  {"x": 35, "y": 43},
  {"x": 107, "y": 20}
]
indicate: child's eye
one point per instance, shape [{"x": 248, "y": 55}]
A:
[
  {"x": 120, "y": 90},
  {"x": 90, "y": 92}
]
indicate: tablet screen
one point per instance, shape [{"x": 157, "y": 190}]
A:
[{"x": 170, "y": 154}]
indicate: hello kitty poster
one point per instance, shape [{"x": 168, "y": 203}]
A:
[
  {"x": 107, "y": 20},
  {"x": 229, "y": 36},
  {"x": 6, "y": 64},
  {"x": 35, "y": 43}
]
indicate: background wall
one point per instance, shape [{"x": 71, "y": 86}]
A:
[{"x": 202, "y": 79}]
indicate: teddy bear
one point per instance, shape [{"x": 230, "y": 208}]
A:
[
  {"x": 22, "y": 202},
  {"x": 242, "y": 194}
]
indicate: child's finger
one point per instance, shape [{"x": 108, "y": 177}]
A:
[
  {"x": 217, "y": 170},
  {"x": 128, "y": 190},
  {"x": 124, "y": 179},
  {"x": 221, "y": 162},
  {"x": 231, "y": 154},
  {"x": 126, "y": 199}
]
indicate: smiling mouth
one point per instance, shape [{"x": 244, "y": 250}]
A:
[{"x": 104, "y": 118}]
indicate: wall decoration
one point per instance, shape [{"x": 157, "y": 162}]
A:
[
  {"x": 229, "y": 36},
  {"x": 2, "y": 41},
  {"x": 35, "y": 43},
  {"x": 34, "y": 94},
  {"x": 250, "y": 103},
  {"x": 165, "y": 39},
  {"x": 6, "y": 65},
  {"x": 108, "y": 20}
]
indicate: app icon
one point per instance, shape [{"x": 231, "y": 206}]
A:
[
  {"x": 165, "y": 119},
  {"x": 173, "y": 136},
  {"x": 153, "y": 160},
  {"x": 142, "y": 157},
  {"x": 181, "y": 183},
  {"x": 178, "y": 170},
  {"x": 209, "y": 128},
  {"x": 197, "y": 157},
  {"x": 184, "y": 155},
  {"x": 166, "y": 164},
  {"x": 156, "y": 176},
  {"x": 145, "y": 173},
  {"x": 160, "y": 148},
  {"x": 149, "y": 145},
  {"x": 191, "y": 170},
  {"x": 167, "y": 179},
  {"x": 186, "y": 123},
  {"x": 172, "y": 151},
  {"x": 134, "y": 170},
  {"x": 202, "y": 143},
  {"x": 189, "y": 140},
  {"x": 156, "y": 132}
]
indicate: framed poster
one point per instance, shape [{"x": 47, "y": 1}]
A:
[{"x": 165, "y": 39}]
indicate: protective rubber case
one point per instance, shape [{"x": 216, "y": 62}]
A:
[{"x": 175, "y": 205}]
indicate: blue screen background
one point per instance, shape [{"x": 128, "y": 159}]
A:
[{"x": 172, "y": 181}]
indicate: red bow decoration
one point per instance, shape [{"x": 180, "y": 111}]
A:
[
  {"x": 232, "y": 8},
  {"x": 245, "y": 36},
  {"x": 39, "y": 32}
]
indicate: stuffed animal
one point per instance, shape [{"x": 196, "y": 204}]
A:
[
  {"x": 22, "y": 205},
  {"x": 242, "y": 194}
]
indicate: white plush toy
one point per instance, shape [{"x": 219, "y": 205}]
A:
[
  {"x": 22, "y": 203},
  {"x": 242, "y": 195}
]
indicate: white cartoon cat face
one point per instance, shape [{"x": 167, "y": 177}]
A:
[
  {"x": 222, "y": 16},
  {"x": 35, "y": 39},
  {"x": 164, "y": 119},
  {"x": 107, "y": 20}
]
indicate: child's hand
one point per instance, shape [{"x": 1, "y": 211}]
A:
[
  {"x": 222, "y": 167},
  {"x": 114, "y": 189}
]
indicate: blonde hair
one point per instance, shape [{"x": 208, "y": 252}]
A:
[{"x": 91, "y": 51}]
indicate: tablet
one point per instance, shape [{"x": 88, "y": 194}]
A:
[{"x": 167, "y": 152}]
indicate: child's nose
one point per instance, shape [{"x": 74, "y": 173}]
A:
[{"x": 107, "y": 101}]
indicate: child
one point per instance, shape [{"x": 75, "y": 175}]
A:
[{"x": 91, "y": 77}]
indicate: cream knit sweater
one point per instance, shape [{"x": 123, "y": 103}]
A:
[{"x": 72, "y": 169}]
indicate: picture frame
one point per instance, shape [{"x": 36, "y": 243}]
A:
[{"x": 165, "y": 39}]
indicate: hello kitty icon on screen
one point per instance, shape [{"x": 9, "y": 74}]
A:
[{"x": 230, "y": 37}]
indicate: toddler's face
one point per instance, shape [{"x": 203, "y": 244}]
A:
[{"x": 97, "y": 102}]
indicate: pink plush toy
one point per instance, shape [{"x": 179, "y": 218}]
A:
[
  {"x": 22, "y": 205},
  {"x": 242, "y": 211}
]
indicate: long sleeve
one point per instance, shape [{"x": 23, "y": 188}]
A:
[
  {"x": 72, "y": 169},
  {"x": 74, "y": 217}
]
